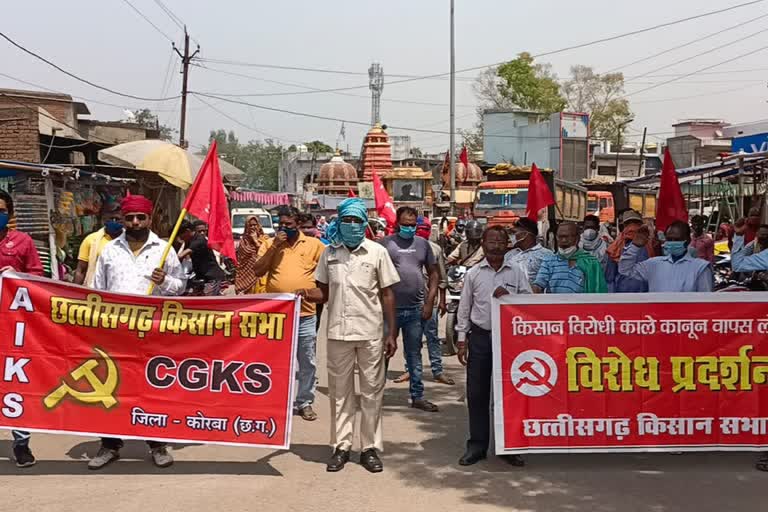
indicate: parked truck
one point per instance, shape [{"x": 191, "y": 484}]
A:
[
  {"x": 502, "y": 199},
  {"x": 605, "y": 199}
]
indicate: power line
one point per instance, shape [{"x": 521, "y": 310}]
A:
[
  {"x": 97, "y": 86},
  {"x": 179, "y": 23},
  {"x": 697, "y": 71},
  {"x": 340, "y": 120},
  {"x": 158, "y": 29},
  {"x": 683, "y": 98},
  {"x": 705, "y": 52},
  {"x": 311, "y": 89},
  {"x": 689, "y": 43},
  {"x": 237, "y": 121}
]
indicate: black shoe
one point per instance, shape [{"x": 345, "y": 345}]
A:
[
  {"x": 23, "y": 456},
  {"x": 338, "y": 460},
  {"x": 371, "y": 461},
  {"x": 513, "y": 460},
  {"x": 470, "y": 458}
]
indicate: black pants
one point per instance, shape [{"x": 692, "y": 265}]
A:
[
  {"x": 479, "y": 379},
  {"x": 113, "y": 443},
  {"x": 319, "y": 315}
]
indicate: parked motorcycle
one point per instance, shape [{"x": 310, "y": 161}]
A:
[{"x": 453, "y": 295}]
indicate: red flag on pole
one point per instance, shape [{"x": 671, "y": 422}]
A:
[
  {"x": 351, "y": 193},
  {"x": 539, "y": 195},
  {"x": 671, "y": 203},
  {"x": 384, "y": 206},
  {"x": 464, "y": 157},
  {"x": 206, "y": 201}
]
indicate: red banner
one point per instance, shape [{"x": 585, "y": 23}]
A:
[
  {"x": 214, "y": 370},
  {"x": 613, "y": 373}
]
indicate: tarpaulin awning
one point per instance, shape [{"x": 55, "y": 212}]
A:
[{"x": 710, "y": 170}]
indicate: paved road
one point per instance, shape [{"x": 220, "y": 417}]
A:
[{"x": 420, "y": 473}]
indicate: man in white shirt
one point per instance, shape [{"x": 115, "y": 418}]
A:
[
  {"x": 526, "y": 249},
  {"x": 492, "y": 277},
  {"x": 129, "y": 264}
]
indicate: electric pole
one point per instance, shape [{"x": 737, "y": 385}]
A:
[
  {"x": 452, "y": 143},
  {"x": 186, "y": 58}
]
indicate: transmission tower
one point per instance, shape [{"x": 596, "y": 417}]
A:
[{"x": 376, "y": 85}]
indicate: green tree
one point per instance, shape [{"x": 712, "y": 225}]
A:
[
  {"x": 145, "y": 118},
  {"x": 259, "y": 160},
  {"x": 530, "y": 86},
  {"x": 601, "y": 96},
  {"x": 317, "y": 146}
]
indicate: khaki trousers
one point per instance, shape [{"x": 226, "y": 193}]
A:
[{"x": 368, "y": 356}]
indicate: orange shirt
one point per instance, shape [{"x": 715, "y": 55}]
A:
[{"x": 293, "y": 268}]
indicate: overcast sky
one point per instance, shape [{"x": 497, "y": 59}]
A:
[{"x": 108, "y": 43}]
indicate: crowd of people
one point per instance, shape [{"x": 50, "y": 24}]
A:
[{"x": 374, "y": 288}]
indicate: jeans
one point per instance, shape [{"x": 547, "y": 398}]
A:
[
  {"x": 20, "y": 438},
  {"x": 434, "y": 347},
  {"x": 411, "y": 325},
  {"x": 306, "y": 356}
]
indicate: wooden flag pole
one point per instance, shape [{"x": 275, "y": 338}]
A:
[{"x": 169, "y": 246}]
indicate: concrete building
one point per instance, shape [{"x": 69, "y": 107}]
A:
[
  {"x": 698, "y": 141},
  {"x": 298, "y": 168},
  {"x": 631, "y": 164},
  {"x": 521, "y": 137}
]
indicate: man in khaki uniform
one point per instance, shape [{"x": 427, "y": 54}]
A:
[{"x": 355, "y": 276}]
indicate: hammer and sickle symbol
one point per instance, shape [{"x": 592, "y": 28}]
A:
[
  {"x": 102, "y": 391},
  {"x": 540, "y": 379}
]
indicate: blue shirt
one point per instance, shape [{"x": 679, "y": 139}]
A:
[
  {"x": 664, "y": 274},
  {"x": 530, "y": 259},
  {"x": 744, "y": 259},
  {"x": 618, "y": 283},
  {"x": 557, "y": 276}
]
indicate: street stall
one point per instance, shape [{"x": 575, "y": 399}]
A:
[{"x": 58, "y": 206}]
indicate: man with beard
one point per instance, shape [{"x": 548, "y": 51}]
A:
[
  {"x": 492, "y": 277},
  {"x": 130, "y": 264},
  {"x": 93, "y": 244}
]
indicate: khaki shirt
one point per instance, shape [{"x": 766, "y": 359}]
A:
[
  {"x": 463, "y": 257},
  {"x": 355, "y": 280}
]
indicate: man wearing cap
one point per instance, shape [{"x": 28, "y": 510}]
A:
[
  {"x": 129, "y": 264},
  {"x": 355, "y": 278},
  {"x": 631, "y": 222},
  {"x": 93, "y": 244}
]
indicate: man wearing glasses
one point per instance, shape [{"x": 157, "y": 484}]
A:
[{"x": 129, "y": 264}]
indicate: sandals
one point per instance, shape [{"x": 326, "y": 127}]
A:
[
  {"x": 444, "y": 379},
  {"x": 307, "y": 413},
  {"x": 424, "y": 405},
  {"x": 405, "y": 377},
  {"x": 762, "y": 463}
]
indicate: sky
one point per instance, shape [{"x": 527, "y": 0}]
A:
[{"x": 110, "y": 44}]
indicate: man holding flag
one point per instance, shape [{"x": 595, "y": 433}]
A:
[{"x": 129, "y": 264}]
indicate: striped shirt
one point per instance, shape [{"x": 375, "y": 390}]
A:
[{"x": 557, "y": 276}]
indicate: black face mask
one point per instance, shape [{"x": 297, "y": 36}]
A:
[{"x": 137, "y": 234}]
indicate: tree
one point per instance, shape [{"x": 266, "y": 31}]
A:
[
  {"x": 259, "y": 160},
  {"x": 530, "y": 86},
  {"x": 416, "y": 152},
  {"x": 146, "y": 119},
  {"x": 601, "y": 96},
  {"x": 317, "y": 146}
]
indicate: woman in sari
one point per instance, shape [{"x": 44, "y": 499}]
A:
[{"x": 246, "y": 280}]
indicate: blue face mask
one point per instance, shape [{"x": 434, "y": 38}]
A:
[
  {"x": 113, "y": 227},
  {"x": 407, "y": 232},
  {"x": 4, "y": 220},
  {"x": 352, "y": 234},
  {"x": 675, "y": 249},
  {"x": 290, "y": 233}
]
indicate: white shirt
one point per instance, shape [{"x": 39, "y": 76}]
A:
[
  {"x": 529, "y": 259},
  {"x": 119, "y": 271},
  {"x": 477, "y": 294}
]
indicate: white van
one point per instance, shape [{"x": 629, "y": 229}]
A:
[{"x": 241, "y": 215}]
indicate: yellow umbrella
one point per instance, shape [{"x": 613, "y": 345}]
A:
[{"x": 166, "y": 159}]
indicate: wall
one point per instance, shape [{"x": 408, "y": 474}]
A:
[
  {"x": 19, "y": 138},
  {"x": 295, "y": 167},
  {"x": 115, "y": 134},
  {"x": 61, "y": 110},
  {"x": 518, "y": 138},
  {"x": 401, "y": 146}
]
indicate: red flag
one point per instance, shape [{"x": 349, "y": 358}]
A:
[
  {"x": 206, "y": 201},
  {"x": 539, "y": 195},
  {"x": 384, "y": 206},
  {"x": 464, "y": 157},
  {"x": 671, "y": 203},
  {"x": 351, "y": 193}
]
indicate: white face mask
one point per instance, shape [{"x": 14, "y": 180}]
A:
[
  {"x": 589, "y": 234},
  {"x": 568, "y": 252},
  {"x": 516, "y": 241}
]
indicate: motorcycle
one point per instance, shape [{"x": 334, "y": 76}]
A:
[{"x": 453, "y": 295}]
